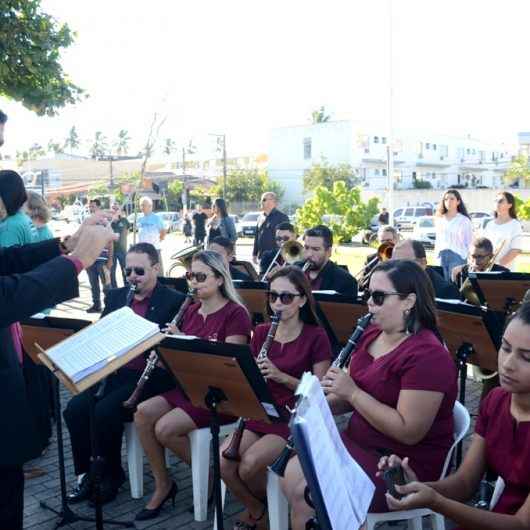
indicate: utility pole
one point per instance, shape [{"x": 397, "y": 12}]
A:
[
  {"x": 390, "y": 134},
  {"x": 224, "y": 167}
]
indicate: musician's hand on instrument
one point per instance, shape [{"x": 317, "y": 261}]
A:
[
  {"x": 393, "y": 461},
  {"x": 338, "y": 382},
  {"x": 455, "y": 271},
  {"x": 270, "y": 372},
  {"x": 172, "y": 329},
  {"x": 417, "y": 495}
]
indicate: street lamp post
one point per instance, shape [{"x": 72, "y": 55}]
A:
[{"x": 222, "y": 138}]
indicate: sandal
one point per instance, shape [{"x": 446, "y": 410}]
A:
[{"x": 253, "y": 524}]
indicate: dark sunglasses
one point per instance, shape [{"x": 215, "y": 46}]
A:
[
  {"x": 139, "y": 271},
  {"x": 285, "y": 298},
  {"x": 200, "y": 277},
  {"x": 378, "y": 297},
  {"x": 478, "y": 257},
  {"x": 283, "y": 239}
]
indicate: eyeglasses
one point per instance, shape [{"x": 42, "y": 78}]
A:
[
  {"x": 200, "y": 277},
  {"x": 285, "y": 298},
  {"x": 282, "y": 239},
  {"x": 378, "y": 297},
  {"x": 478, "y": 257},
  {"x": 139, "y": 271}
]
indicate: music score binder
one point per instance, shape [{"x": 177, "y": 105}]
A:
[{"x": 500, "y": 291}]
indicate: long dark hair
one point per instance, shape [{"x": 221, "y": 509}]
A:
[
  {"x": 308, "y": 313},
  {"x": 442, "y": 210},
  {"x": 221, "y": 206},
  {"x": 511, "y": 200},
  {"x": 408, "y": 277},
  {"x": 12, "y": 191}
]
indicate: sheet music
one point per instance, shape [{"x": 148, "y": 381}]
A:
[
  {"x": 346, "y": 488},
  {"x": 325, "y": 291},
  {"x": 91, "y": 348}
]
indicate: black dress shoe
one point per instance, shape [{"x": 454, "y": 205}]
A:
[
  {"x": 147, "y": 514},
  {"x": 109, "y": 488},
  {"x": 94, "y": 309},
  {"x": 81, "y": 492}
]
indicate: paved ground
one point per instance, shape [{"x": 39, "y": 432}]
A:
[{"x": 46, "y": 488}]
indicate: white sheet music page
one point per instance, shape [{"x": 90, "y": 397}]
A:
[
  {"x": 94, "y": 346},
  {"x": 346, "y": 488}
]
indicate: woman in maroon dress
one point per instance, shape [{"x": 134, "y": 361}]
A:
[
  {"x": 165, "y": 420},
  {"x": 401, "y": 386},
  {"x": 501, "y": 444},
  {"x": 300, "y": 345}
]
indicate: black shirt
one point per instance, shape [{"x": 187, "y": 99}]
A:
[
  {"x": 199, "y": 219},
  {"x": 121, "y": 227}
]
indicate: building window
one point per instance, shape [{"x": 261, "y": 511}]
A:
[
  {"x": 468, "y": 151},
  {"x": 376, "y": 172},
  {"x": 376, "y": 139},
  {"x": 434, "y": 147},
  {"x": 383, "y": 172},
  {"x": 444, "y": 150},
  {"x": 307, "y": 148},
  {"x": 427, "y": 145},
  {"x": 383, "y": 139}
]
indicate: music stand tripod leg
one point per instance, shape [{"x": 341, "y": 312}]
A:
[
  {"x": 462, "y": 355},
  {"x": 212, "y": 400}
]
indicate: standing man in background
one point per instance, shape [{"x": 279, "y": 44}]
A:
[
  {"x": 151, "y": 229},
  {"x": 120, "y": 225},
  {"x": 267, "y": 223},
  {"x": 199, "y": 225}
]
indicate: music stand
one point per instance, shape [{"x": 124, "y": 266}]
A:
[
  {"x": 254, "y": 295},
  {"x": 179, "y": 284},
  {"x": 231, "y": 385},
  {"x": 472, "y": 335},
  {"x": 500, "y": 291},
  {"x": 247, "y": 268}
]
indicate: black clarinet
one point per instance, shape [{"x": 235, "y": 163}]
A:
[{"x": 342, "y": 360}]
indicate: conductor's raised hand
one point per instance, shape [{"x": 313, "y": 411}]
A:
[
  {"x": 91, "y": 241},
  {"x": 338, "y": 382}
]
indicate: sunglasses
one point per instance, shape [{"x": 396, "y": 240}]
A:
[
  {"x": 285, "y": 298},
  {"x": 200, "y": 277},
  {"x": 478, "y": 257},
  {"x": 139, "y": 271},
  {"x": 378, "y": 297},
  {"x": 282, "y": 239}
]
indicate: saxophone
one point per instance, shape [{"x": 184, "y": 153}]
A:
[
  {"x": 232, "y": 451},
  {"x": 153, "y": 359}
]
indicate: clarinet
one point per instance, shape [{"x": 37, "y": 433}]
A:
[
  {"x": 279, "y": 465},
  {"x": 232, "y": 451},
  {"x": 152, "y": 361}
]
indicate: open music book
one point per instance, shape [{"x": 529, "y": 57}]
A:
[
  {"x": 346, "y": 489},
  {"x": 97, "y": 345}
]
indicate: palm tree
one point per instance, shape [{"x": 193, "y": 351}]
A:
[
  {"x": 320, "y": 116},
  {"x": 169, "y": 146},
  {"x": 99, "y": 147},
  {"x": 122, "y": 145},
  {"x": 72, "y": 140},
  {"x": 54, "y": 147}
]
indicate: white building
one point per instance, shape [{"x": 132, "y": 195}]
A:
[{"x": 438, "y": 159}]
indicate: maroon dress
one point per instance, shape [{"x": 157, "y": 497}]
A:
[
  {"x": 420, "y": 362},
  {"x": 293, "y": 358},
  {"x": 507, "y": 449},
  {"x": 231, "y": 319}
]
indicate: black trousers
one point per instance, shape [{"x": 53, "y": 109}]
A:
[
  {"x": 11, "y": 498},
  {"x": 110, "y": 417}
]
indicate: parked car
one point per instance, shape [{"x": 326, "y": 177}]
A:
[
  {"x": 480, "y": 219},
  {"x": 249, "y": 223},
  {"x": 404, "y": 217},
  {"x": 170, "y": 220},
  {"x": 423, "y": 230}
]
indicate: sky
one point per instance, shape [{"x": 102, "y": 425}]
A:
[{"x": 243, "y": 67}]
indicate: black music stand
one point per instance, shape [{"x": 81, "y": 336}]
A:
[
  {"x": 500, "y": 291},
  {"x": 472, "y": 335},
  {"x": 48, "y": 332},
  {"x": 232, "y": 384},
  {"x": 254, "y": 295},
  {"x": 179, "y": 284}
]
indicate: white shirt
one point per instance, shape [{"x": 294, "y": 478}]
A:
[
  {"x": 453, "y": 234},
  {"x": 511, "y": 233}
]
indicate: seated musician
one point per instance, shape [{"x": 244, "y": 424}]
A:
[
  {"x": 386, "y": 234},
  {"x": 500, "y": 444},
  {"x": 401, "y": 386},
  {"x": 299, "y": 345},
  {"x": 157, "y": 304},
  {"x": 225, "y": 248},
  {"x": 478, "y": 260},
  {"x": 414, "y": 250},
  {"x": 323, "y": 274},
  {"x": 165, "y": 420},
  {"x": 284, "y": 232}
]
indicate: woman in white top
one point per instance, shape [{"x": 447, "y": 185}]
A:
[
  {"x": 505, "y": 228},
  {"x": 454, "y": 232}
]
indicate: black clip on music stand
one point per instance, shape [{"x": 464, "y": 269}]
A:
[
  {"x": 225, "y": 379},
  {"x": 472, "y": 335}
]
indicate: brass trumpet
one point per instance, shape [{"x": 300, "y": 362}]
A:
[{"x": 291, "y": 252}]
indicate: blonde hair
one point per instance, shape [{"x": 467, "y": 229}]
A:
[
  {"x": 215, "y": 262},
  {"x": 37, "y": 207}
]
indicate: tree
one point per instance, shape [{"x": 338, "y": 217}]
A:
[
  {"x": 320, "y": 116},
  {"x": 523, "y": 208},
  {"x": 325, "y": 174},
  {"x": 72, "y": 140},
  {"x": 54, "y": 147},
  {"x": 30, "y": 69},
  {"x": 174, "y": 195},
  {"x": 122, "y": 143},
  {"x": 152, "y": 138},
  {"x": 348, "y": 214},
  {"x": 518, "y": 172},
  {"x": 170, "y": 146},
  {"x": 99, "y": 147}
]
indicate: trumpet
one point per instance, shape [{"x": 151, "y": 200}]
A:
[
  {"x": 232, "y": 451},
  {"x": 384, "y": 253},
  {"x": 290, "y": 251},
  {"x": 134, "y": 398}
]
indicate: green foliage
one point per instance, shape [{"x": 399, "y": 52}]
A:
[
  {"x": 320, "y": 116},
  {"x": 422, "y": 184},
  {"x": 246, "y": 186},
  {"x": 99, "y": 147},
  {"x": 518, "y": 172},
  {"x": 122, "y": 142},
  {"x": 523, "y": 208},
  {"x": 30, "y": 70},
  {"x": 349, "y": 215},
  {"x": 174, "y": 195},
  {"x": 72, "y": 140},
  {"x": 324, "y": 174}
]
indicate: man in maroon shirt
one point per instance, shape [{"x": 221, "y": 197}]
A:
[{"x": 158, "y": 304}]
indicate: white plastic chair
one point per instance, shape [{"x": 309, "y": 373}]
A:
[
  {"x": 461, "y": 421},
  {"x": 200, "y": 465}
]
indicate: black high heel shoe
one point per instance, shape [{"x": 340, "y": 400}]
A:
[{"x": 147, "y": 514}]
